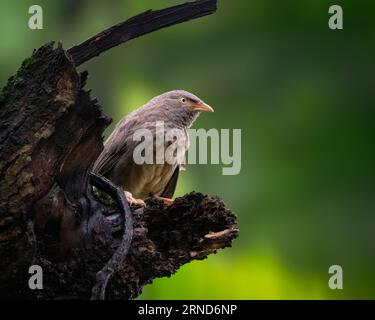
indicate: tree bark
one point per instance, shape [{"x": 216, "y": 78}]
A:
[
  {"x": 139, "y": 25},
  {"x": 50, "y": 215}
]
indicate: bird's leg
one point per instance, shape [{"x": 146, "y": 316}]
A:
[
  {"x": 134, "y": 201},
  {"x": 166, "y": 201}
]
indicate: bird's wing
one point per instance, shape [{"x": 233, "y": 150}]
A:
[
  {"x": 115, "y": 146},
  {"x": 171, "y": 186},
  {"x": 106, "y": 161}
]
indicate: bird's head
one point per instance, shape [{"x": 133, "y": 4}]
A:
[{"x": 182, "y": 105}]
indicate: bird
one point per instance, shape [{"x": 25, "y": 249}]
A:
[{"x": 177, "y": 109}]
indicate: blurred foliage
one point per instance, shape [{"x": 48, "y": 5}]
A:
[{"x": 303, "y": 96}]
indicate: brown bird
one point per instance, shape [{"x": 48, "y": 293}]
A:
[{"x": 177, "y": 109}]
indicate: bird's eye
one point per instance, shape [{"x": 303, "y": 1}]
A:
[{"x": 183, "y": 100}]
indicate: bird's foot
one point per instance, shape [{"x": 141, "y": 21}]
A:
[
  {"x": 133, "y": 201},
  {"x": 166, "y": 201}
]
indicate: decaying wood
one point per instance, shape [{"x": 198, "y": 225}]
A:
[
  {"x": 50, "y": 135},
  {"x": 48, "y": 122},
  {"x": 164, "y": 239}
]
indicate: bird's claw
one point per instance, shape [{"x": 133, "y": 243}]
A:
[
  {"x": 166, "y": 201},
  {"x": 133, "y": 201}
]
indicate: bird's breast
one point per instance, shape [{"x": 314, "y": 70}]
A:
[
  {"x": 152, "y": 180},
  {"x": 147, "y": 180}
]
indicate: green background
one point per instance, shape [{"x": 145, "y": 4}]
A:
[{"x": 303, "y": 96}]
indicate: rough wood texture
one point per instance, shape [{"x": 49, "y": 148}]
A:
[
  {"x": 139, "y": 25},
  {"x": 50, "y": 135},
  {"x": 164, "y": 239}
]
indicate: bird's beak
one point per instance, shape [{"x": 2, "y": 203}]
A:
[{"x": 203, "y": 107}]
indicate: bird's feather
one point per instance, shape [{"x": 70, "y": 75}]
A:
[
  {"x": 170, "y": 188},
  {"x": 112, "y": 150}
]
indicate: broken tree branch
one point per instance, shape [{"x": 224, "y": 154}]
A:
[
  {"x": 139, "y": 25},
  {"x": 165, "y": 238}
]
